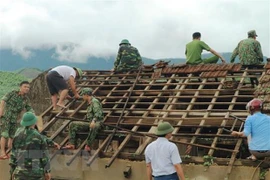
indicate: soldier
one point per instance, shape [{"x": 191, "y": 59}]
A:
[
  {"x": 194, "y": 50},
  {"x": 57, "y": 82},
  {"x": 94, "y": 116},
  {"x": 29, "y": 158},
  {"x": 128, "y": 57},
  {"x": 12, "y": 104},
  {"x": 249, "y": 50}
]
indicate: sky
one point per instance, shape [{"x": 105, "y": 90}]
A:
[{"x": 79, "y": 29}]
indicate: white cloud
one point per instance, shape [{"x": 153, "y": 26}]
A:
[{"x": 78, "y": 29}]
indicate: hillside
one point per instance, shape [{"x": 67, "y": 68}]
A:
[
  {"x": 11, "y": 80},
  {"x": 29, "y": 73}
]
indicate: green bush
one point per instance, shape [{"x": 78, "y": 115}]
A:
[{"x": 10, "y": 81}]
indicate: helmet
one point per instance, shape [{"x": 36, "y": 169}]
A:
[
  {"x": 80, "y": 72},
  {"x": 87, "y": 91},
  {"x": 28, "y": 119},
  {"x": 164, "y": 128},
  {"x": 254, "y": 104},
  {"x": 124, "y": 41}
]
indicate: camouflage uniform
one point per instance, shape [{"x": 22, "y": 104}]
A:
[
  {"x": 14, "y": 105},
  {"x": 249, "y": 51},
  {"x": 128, "y": 58},
  {"x": 94, "y": 112},
  {"x": 29, "y": 158}
]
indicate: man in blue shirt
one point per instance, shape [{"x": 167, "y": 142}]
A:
[
  {"x": 257, "y": 125},
  {"x": 162, "y": 157}
]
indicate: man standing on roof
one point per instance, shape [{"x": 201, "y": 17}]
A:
[
  {"x": 12, "y": 104},
  {"x": 29, "y": 155},
  {"x": 128, "y": 57},
  {"x": 57, "y": 79},
  {"x": 194, "y": 50},
  {"x": 257, "y": 125},
  {"x": 162, "y": 157},
  {"x": 94, "y": 116},
  {"x": 249, "y": 50}
]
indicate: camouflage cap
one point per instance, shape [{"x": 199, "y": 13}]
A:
[
  {"x": 124, "y": 41},
  {"x": 28, "y": 119},
  {"x": 87, "y": 91},
  {"x": 252, "y": 33}
]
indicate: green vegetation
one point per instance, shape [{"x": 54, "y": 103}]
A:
[
  {"x": 10, "y": 81},
  {"x": 208, "y": 160}
]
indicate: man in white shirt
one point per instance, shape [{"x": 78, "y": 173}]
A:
[
  {"x": 162, "y": 157},
  {"x": 57, "y": 79}
]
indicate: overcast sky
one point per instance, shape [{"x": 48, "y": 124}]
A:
[{"x": 78, "y": 29}]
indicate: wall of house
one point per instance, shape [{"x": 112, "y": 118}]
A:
[{"x": 97, "y": 171}]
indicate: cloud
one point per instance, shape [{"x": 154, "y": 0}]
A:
[{"x": 158, "y": 28}]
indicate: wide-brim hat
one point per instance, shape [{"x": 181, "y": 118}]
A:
[
  {"x": 164, "y": 128},
  {"x": 28, "y": 119},
  {"x": 252, "y": 33}
]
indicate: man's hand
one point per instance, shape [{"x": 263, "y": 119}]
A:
[
  {"x": 56, "y": 145},
  {"x": 77, "y": 96},
  {"x": 223, "y": 60},
  {"x": 235, "y": 133},
  {"x": 48, "y": 176},
  {"x": 92, "y": 124}
]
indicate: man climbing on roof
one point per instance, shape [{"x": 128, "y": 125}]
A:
[
  {"x": 257, "y": 126},
  {"x": 128, "y": 57},
  {"x": 249, "y": 50},
  {"x": 194, "y": 50},
  {"x": 57, "y": 79},
  {"x": 94, "y": 116}
]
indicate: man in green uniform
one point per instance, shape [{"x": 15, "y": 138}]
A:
[
  {"x": 94, "y": 116},
  {"x": 249, "y": 50},
  {"x": 128, "y": 57},
  {"x": 194, "y": 50},
  {"x": 12, "y": 104},
  {"x": 29, "y": 158}
]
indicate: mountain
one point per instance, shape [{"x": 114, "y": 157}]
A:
[
  {"x": 29, "y": 73},
  {"x": 43, "y": 60}
]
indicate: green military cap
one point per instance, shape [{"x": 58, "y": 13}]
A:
[
  {"x": 28, "y": 119},
  {"x": 124, "y": 41},
  {"x": 252, "y": 33},
  {"x": 80, "y": 72},
  {"x": 87, "y": 91},
  {"x": 164, "y": 128}
]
